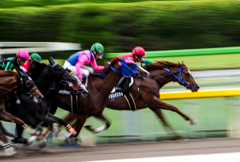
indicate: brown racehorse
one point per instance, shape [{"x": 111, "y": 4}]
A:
[
  {"x": 11, "y": 81},
  {"x": 99, "y": 89},
  {"x": 146, "y": 93}
]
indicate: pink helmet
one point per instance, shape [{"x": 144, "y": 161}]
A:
[
  {"x": 23, "y": 54},
  {"x": 139, "y": 51}
]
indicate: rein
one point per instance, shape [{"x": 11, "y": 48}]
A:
[
  {"x": 126, "y": 71},
  {"x": 176, "y": 76}
]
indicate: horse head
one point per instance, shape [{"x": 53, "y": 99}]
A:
[
  {"x": 63, "y": 76},
  {"x": 186, "y": 78},
  {"x": 28, "y": 87},
  {"x": 128, "y": 68},
  {"x": 178, "y": 72}
]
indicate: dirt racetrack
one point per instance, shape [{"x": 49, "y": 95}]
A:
[{"x": 128, "y": 151}]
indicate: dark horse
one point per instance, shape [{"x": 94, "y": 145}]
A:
[
  {"x": 99, "y": 88},
  {"x": 12, "y": 81},
  {"x": 146, "y": 94},
  {"x": 48, "y": 78}
]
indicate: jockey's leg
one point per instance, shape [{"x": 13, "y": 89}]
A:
[{"x": 89, "y": 69}]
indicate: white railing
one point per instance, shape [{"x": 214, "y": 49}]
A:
[{"x": 13, "y": 47}]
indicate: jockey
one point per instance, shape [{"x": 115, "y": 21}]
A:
[
  {"x": 137, "y": 55},
  {"x": 33, "y": 57},
  {"x": 77, "y": 61},
  {"x": 14, "y": 63}
]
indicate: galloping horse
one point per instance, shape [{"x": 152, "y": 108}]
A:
[
  {"x": 11, "y": 81},
  {"x": 48, "y": 78},
  {"x": 99, "y": 88},
  {"x": 146, "y": 94}
]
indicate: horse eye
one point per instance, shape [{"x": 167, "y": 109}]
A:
[
  {"x": 187, "y": 74},
  {"x": 28, "y": 84}
]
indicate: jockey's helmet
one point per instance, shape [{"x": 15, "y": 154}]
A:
[
  {"x": 139, "y": 51},
  {"x": 98, "y": 47},
  {"x": 36, "y": 57},
  {"x": 23, "y": 54}
]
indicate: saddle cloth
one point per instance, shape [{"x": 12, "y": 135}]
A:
[{"x": 122, "y": 91}]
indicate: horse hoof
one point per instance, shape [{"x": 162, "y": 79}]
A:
[
  {"x": 194, "y": 122},
  {"x": 43, "y": 143},
  {"x": 17, "y": 155},
  {"x": 183, "y": 141}
]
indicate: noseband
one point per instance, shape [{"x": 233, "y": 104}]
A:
[{"x": 176, "y": 76}]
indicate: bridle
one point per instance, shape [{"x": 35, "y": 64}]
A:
[
  {"x": 30, "y": 90},
  {"x": 176, "y": 76}
]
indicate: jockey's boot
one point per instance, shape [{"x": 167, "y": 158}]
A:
[{"x": 83, "y": 90}]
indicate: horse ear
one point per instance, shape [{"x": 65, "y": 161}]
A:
[{"x": 51, "y": 60}]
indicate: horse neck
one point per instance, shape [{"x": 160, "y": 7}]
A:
[
  {"x": 105, "y": 85},
  {"x": 8, "y": 84},
  {"x": 162, "y": 76},
  {"x": 44, "y": 81}
]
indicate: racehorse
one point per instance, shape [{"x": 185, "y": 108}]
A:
[
  {"x": 12, "y": 81},
  {"x": 146, "y": 94},
  {"x": 48, "y": 78},
  {"x": 99, "y": 87}
]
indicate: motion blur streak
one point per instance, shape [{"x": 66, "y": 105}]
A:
[{"x": 225, "y": 157}]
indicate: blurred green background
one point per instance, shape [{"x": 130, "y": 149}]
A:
[{"x": 154, "y": 25}]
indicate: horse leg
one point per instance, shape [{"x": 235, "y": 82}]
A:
[
  {"x": 157, "y": 103},
  {"x": 5, "y": 116},
  {"x": 102, "y": 128},
  {"x": 70, "y": 117},
  {"x": 79, "y": 124},
  {"x": 167, "y": 127},
  {"x": 7, "y": 147}
]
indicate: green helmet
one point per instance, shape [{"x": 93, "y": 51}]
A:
[
  {"x": 35, "y": 56},
  {"x": 98, "y": 47}
]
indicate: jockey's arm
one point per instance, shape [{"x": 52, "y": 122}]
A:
[
  {"x": 95, "y": 66},
  {"x": 147, "y": 61}
]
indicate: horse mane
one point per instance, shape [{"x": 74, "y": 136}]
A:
[
  {"x": 106, "y": 66},
  {"x": 161, "y": 64},
  {"x": 8, "y": 81},
  {"x": 8, "y": 73}
]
